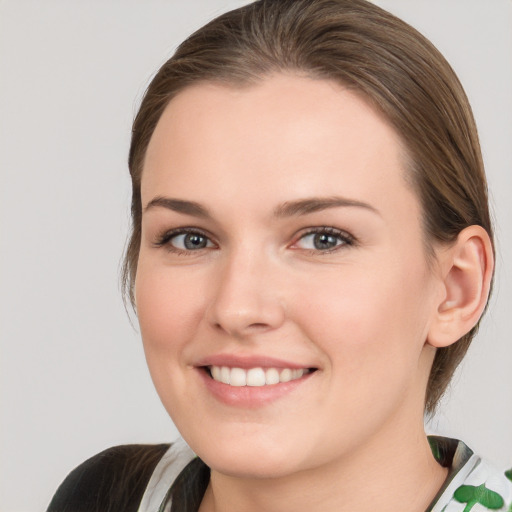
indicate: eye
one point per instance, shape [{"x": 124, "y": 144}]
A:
[
  {"x": 324, "y": 240},
  {"x": 185, "y": 240},
  {"x": 190, "y": 241}
]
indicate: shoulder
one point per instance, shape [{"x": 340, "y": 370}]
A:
[{"x": 113, "y": 480}]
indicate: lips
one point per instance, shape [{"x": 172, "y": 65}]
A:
[{"x": 251, "y": 381}]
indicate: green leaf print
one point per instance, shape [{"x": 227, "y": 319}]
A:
[
  {"x": 472, "y": 495},
  {"x": 508, "y": 474}
]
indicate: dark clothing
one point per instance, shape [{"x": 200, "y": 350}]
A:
[{"x": 94, "y": 486}]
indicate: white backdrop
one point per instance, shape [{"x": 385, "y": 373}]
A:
[{"x": 73, "y": 376}]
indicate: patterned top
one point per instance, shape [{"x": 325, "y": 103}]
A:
[{"x": 472, "y": 484}]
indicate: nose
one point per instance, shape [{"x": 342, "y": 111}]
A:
[{"x": 246, "y": 299}]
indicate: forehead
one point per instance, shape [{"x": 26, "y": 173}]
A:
[{"x": 285, "y": 136}]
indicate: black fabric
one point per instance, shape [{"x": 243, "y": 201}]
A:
[
  {"x": 443, "y": 449},
  {"x": 111, "y": 481},
  {"x": 188, "y": 489}
]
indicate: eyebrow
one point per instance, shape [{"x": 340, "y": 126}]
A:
[
  {"x": 287, "y": 209},
  {"x": 180, "y": 206},
  {"x": 316, "y": 204}
]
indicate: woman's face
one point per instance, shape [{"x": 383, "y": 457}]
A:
[{"x": 281, "y": 241}]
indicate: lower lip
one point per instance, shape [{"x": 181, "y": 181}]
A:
[{"x": 251, "y": 396}]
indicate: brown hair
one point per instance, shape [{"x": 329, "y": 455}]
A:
[{"x": 365, "y": 48}]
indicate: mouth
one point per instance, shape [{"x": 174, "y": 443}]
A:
[{"x": 255, "y": 377}]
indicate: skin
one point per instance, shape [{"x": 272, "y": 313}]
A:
[{"x": 361, "y": 313}]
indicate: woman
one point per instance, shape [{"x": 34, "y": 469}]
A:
[{"x": 310, "y": 258}]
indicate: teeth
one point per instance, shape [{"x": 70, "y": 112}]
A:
[
  {"x": 225, "y": 374},
  {"x": 216, "y": 373},
  {"x": 285, "y": 375},
  {"x": 255, "y": 377},
  {"x": 238, "y": 377},
  {"x": 271, "y": 376}
]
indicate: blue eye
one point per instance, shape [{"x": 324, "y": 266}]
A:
[
  {"x": 184, "y": 240},
  {"x": 190, "y": 241},
  {"x": 325, "y": 239}
]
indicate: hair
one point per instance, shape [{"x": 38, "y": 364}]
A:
[{"x": 377, "y": 55}]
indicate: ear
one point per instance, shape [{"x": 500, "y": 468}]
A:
[{"x": 466, "y": 273}]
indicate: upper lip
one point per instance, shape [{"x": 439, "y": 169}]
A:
[{"x": 249, "y": 361}]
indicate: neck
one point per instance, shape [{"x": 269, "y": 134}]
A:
[{"x": 394, "y": 472}]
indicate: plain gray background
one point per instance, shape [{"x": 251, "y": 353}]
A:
[{"x": 73, "y": 376}]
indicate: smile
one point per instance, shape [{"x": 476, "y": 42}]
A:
[{"x": 255, "y": 377}]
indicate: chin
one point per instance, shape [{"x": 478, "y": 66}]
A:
[
  {"x": 255, "y": 466},
  {"x": 249, "y": 456}
]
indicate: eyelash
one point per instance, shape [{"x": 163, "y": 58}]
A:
[
  {"x": 164, "y": 240},
  {"x": 346, "y": 239}
]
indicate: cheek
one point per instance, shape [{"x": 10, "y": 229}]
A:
[
  {"x": 168, "y": 309},
  {"x": 371, "y": 326},
  {"x": 370, "y": 317}
]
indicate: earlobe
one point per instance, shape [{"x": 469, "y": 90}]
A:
[{"x": 467, "y": 268}]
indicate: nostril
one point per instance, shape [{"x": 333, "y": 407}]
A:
[{"x": 259, "y": 326}]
